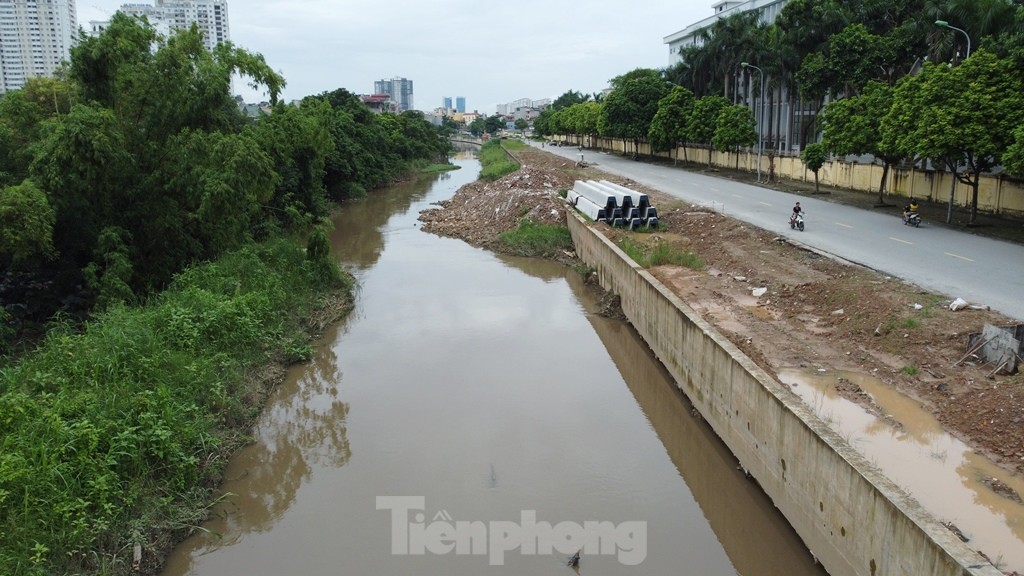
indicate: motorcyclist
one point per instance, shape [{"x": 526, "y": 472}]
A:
[
  {"x": 909, "y": 210},
  {"x": 796, "y": 210}
]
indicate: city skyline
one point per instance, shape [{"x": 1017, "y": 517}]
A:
[{"x": 488, "y": 54}]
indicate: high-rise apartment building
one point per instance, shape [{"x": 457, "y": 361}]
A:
[
  {"x": 211, "y": 16},
  {"x": 35, "y": 37},
  {"x": 399, "y": 89}
]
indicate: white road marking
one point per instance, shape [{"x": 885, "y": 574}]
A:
[
  {"x": 903, "y": 241},
  {"x": 737, "y": 196},
  {"x": 764, "y": 203},
  {"x": 958, "y": 256},
  {"x": 844, "y": 225}
]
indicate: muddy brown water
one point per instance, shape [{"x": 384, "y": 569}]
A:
[{"x": 473, "y": 415}]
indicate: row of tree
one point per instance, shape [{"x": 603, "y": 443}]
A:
[
  {"x": 880, "y": 77},
  {"x": 137, "y": 162}
]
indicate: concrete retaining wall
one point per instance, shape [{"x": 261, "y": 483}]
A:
[{"x": 852, "y": 518}]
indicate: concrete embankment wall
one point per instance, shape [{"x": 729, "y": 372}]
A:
[{"x": 852, "y": 518}]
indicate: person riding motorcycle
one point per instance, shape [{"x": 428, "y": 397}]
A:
[
  {"x": 796, "y": 210},
  {"x": 909, "y": 210}
]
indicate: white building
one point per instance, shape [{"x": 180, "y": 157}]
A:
[
  {"x": 211, "y": 16},
  {"x": 690, "y": 36},
  {"x": 35, "y": 37},
  {"x": 780, "y": 123}
]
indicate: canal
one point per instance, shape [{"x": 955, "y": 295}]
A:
[{"x": 474, "y": 414}]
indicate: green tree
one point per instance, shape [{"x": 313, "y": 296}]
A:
[
  {"x": 477, "y": 126},
  {"x": 851, "y": 126},
  {"x": 568, "y": 99},
  {"x": 964, "y": 114},
  {"x": 703, "y": 120},
  {"x": 735, "y": 127},
  {"x": 26, "y": 223},
  {"x": 814, "y": 157},
  {"x": 494, "y": 124},
  {"x": 668, "y": 127},
  {"x": 628, "y": 110},
  {"x": 521, "y": 124}
]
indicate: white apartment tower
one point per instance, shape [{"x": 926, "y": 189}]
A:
[
  {"x": 35, "y": 37},
  {"x": 211, "y": 16}
]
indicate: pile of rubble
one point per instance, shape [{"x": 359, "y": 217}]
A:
[{"x": 480, "y": 211}]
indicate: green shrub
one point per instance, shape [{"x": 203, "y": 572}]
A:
[
  {"x": 662, "y": 253},
  {"x": 115, "y": 431},
  {"x": 532, "y": 239}
]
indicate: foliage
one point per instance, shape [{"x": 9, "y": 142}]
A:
[
  {"x": 668, "y": 127},
  {"x": 734, "y": 127},
  {"x": 111, "y": 434},
  {"x": 703, "y": 120},
  {"x": 495, "y": 162},
  {"x": 967, "y": 113},
  {"x": 814, "y": 157},
  {"x": 627, "y": 112},
  {"x": 659, "y": 254},
  {"x": 537, "y": 240},
  {"x": 26, "y": 223}
]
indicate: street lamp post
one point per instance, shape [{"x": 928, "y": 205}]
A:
[
  {"x": 944, "y": 24},
  {"x": 952, "y": 187},
  {"x": 760, "y": 121}
]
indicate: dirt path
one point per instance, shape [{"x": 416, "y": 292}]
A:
[{"x": 815, "y": 311}]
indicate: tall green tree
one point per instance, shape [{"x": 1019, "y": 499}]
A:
[
  {"x": 668, "y": 127},
  {"x": 851, "y": 126},
  {"x": 735, "y": 127},
  {"x": 965, "y": 114},
  {"x": 628, "y": 110},
  {"x": 703, "y": 120}
]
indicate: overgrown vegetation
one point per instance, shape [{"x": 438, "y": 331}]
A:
[
  {"x": 495, "y": 162},
  {"x": 139, "y": 163},
  {"x": 539, "y": 240},
  {"x": 114, "y": 434},
  {"x": 659, "y": 254}
]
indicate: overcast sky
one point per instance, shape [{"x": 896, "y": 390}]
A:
[{"x": 490, "y": 52}]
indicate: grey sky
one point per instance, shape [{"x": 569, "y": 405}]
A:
[{"x": 489, "y": 52}]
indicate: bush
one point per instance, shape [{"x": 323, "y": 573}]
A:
[
  {"x": 114, "y": 432},
  {"x": 532, "y": 239}
]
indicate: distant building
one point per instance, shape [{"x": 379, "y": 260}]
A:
[
  {"x": 399, "y": 89},
  {"x": 211, "y": 16},
  {"x": 460, "y": 104},
  {"x": 447, "y": 105},
  {"x": 35, "y": 37},
  {"x": 379, "y": 103}
]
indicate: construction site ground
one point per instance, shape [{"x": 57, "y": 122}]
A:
[{"x": 816, "y": 312}]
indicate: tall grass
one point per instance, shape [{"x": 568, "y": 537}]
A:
[
  {"x": 533, "y": 239},
  {"x": 113, "y": 434},
  {"x": 494, "y": 162},
  {"x": 660, "y": 254}
]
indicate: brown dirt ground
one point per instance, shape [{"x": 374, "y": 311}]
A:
[{"x": 817, "y": 311}]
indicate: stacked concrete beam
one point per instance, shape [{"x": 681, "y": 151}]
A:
[{"x": 622, "y": 206}]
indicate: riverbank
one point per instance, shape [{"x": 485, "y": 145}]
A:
[{"x": 114, "y": 437}]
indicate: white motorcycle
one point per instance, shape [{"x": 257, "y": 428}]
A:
[{"x": 796, "y": 221}]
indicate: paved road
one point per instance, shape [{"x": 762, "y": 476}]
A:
[{"x": 979, "y": 270}]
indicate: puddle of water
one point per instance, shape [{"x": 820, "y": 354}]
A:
[{"x": 941, "y": 472}]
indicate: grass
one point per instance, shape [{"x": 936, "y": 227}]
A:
[
  {"x": 495, "y": 162},
  {"x": 660, "y": 254},
  {"x": 117, "y": 432},
  {"x": 539, "y": 240},
  {"x": 909, "y": 370}
]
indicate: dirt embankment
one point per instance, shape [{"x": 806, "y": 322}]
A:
[{"x": 815, "y": 311}]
